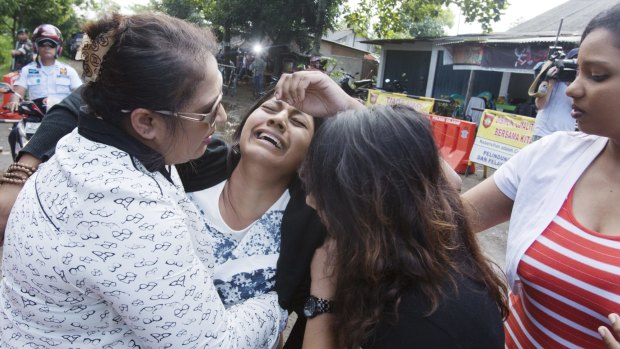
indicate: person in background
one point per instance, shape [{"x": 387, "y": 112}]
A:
[
  {"x": 562, "y": 196},
  {"x": 258, "y": 70},
  {"x": 553, "y": 105},
  {"x": 239, "y": 63},
  {"x": 315, "y": 64},
  {"x": 403, "y": 268},
  {"x": 46, "y": 77},
  {"x": 22, "y": 54}
]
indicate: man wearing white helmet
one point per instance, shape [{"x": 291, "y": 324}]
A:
[{"x": 46, "y": 77}]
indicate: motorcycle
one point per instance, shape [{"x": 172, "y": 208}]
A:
[
  {"x": 32, "y": 113},
  {"x": 356, "y": 88},
  {"x": 396, "y": 86}
]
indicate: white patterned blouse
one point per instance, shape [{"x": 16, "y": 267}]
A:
[{"x": 99, "y": 254}]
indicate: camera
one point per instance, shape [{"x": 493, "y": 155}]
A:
[
  {"x": 566, "y": 65},
  {"x": 560, "y": 66},
  {"x": 567, "y": 69}
]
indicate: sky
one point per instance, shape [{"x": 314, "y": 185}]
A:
[
  {"x": 517, "y": 12},
  {"x": 126, "y": 4}
]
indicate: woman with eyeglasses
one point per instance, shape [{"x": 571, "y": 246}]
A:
[{"x": 100, "y": 247}]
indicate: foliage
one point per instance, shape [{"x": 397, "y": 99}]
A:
[
  {"x": 189, "y": 10},
  {"x": 429, "y": 26},
  {"x": 282, "y": 21},
  {"x": 31, "y": 13},
  {"x": 390, "y": 18},
  {"x": 6, "y": 44}
]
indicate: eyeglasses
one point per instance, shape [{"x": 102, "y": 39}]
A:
[
  {"x": 208, "y": 118},
  {"x": 47, "y": 44}
]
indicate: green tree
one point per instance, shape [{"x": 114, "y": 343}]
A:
[
  {"x": 282, "y": 21},
  {"x": 390, "y": 18},
  {"x": 428, "y": 27},
  {"x": 31, "y": 13}
]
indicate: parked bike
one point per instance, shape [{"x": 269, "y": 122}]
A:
[
  {"x": 32, "y": 113},
  {"x": 356, "y": 88},
  {"x": 397, "y": 86},
  {"x": 229, "y": 78}
]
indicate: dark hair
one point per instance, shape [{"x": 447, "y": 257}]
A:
[
  {"x": 608, "y": 19},
  {"x": 376, "y": 178},
  {"x": 154, "y": 62}
]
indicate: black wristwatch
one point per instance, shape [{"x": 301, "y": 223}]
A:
[{"x": 315, "y": 306}]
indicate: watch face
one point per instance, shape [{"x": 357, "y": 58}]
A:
[{"x": 310, "y": 307}]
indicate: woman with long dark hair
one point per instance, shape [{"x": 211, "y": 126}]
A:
[{"x": 407, "y": 270}]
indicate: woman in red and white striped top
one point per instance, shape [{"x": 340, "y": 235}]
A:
[
  {"x": 562, "y": 196},
  {"x": 570, "y": 276}
]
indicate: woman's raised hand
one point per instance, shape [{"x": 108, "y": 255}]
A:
[
  {"x": 610, "y": 339},
  {"x": 314, "y": 93}
]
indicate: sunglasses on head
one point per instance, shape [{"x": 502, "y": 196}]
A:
[{"x": 49, "y": 44}]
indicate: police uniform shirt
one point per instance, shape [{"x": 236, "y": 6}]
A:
[{"x": 54, "y": 81}]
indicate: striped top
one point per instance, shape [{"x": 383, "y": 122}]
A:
[{"x": 570, "y": 280}]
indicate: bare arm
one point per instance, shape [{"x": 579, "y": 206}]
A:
[
  {"x": 490, "y": 206},
  {"x": 9, "y": 192},
  {"x": 319, "y": 333},
  {"x": 20, "y": 93},
  {"x": 453, "y": 178},
  {"x": 315, "y": 93}
]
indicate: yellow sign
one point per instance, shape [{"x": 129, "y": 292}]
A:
[
  {"x": 421, "y": 104},
  {"x": 500, "y": 135}
]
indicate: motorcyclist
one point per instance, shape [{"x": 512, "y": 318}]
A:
[
  {"x": 46, "y": 77},
  {"x": 22, "y": 54}
]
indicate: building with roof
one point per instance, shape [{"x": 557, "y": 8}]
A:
[{"x": 499, "y": 63}]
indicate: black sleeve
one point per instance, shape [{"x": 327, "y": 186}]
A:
[
  {"x": 467, "y": 319},
  {"x": 59, "y": 121},
  {"x": 206, "y": 171},
  {"x": 302, "y": 233}
]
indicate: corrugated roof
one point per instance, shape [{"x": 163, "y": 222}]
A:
[
  {"x": 542, "y": 28},
  {"x": 393, "y": 41},
  {"x": 572, "y": 39},
  {"x": 495, "y": 38},
  {"x": 512, "y": 39},
  {"x": 345, "y": 46},
  {"x": 576, "y": 14}
]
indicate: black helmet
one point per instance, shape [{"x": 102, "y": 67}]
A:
[{"x": 22, "y": 30}]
